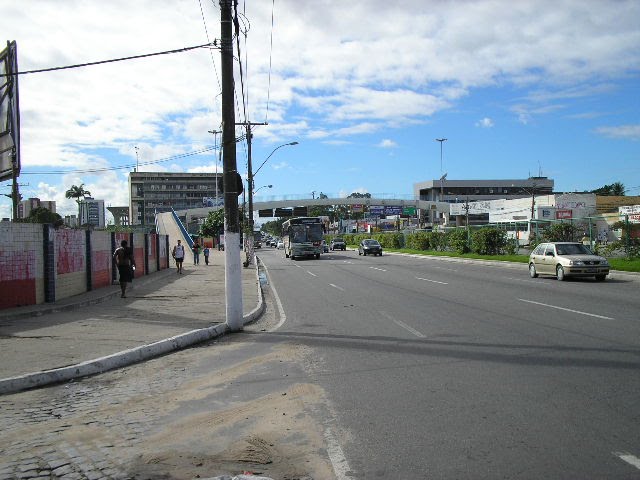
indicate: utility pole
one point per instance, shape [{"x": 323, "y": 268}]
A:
[
  {"x": 249, "y": 242},
  {"x": 233, "y": 278},
  {"x": 215, "y": 142}
]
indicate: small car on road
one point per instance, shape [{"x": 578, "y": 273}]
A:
[
  {"x": 369, "y": 247},
  {"x": 567, "y": 259},
  {"x": 325, "y": 247},
  {"x": 338, "y": 244}
]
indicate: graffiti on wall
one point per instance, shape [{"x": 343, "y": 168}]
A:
[{"x": 70, "y": 250}]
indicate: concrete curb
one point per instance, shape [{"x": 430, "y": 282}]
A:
[{"x": 126, "y": 357}]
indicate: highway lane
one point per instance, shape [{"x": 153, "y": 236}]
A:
[{"x": 440, "y": 369}]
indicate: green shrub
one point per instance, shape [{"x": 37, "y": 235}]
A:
[
  {"x": 457, "y": 240},
  {"x": 489, "y": 241},
  {"x": 418, "y": 241}
]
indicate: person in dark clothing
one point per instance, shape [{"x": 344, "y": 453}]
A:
[{"x": 123, "y": 256}]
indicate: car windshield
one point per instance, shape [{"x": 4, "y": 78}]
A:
[
  {"x": 371, "y": 243},
  {"x": 336, "y": 240},
  {"x": 572, "y": 249}
]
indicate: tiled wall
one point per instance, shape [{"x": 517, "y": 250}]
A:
[
  {"x": 21, "y": 266},
  {"x": 41, "y": 264}
]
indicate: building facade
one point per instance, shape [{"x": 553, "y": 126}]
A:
[
  {"x": 26, "y": 206},
  {"x": 157, "y": 192},
  {"x": 465, "y": 191},
  {"x": 92, "y": 212}
]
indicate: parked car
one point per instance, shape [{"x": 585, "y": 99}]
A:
[
  {"x": 280, "y": 245},
  {"x": 338, "y": 244},
  {"x": 369, "y": 247},
  {"x": 567, "y": 259},
  {"x": 325, "y": 247}
]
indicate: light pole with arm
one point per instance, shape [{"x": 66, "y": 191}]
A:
[
  {"x": 251, "y": 176},
  {"x": 441, "y": 140}
]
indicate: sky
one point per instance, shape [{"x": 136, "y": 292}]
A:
[{"x": 518, "y": 88}]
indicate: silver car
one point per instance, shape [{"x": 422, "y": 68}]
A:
[{"x": 567, "y": 259}]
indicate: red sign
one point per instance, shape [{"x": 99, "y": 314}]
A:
[{"x": 560, "y": 214}]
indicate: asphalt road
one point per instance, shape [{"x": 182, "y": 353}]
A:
[{"x": 466, "y": 370}]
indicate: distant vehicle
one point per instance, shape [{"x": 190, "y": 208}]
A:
[
  {"x": 369, "y": 247},
  {"x": 338, "y": 244},
  {"x": 280, "y": 245},
  {"x": 302, "y": 237},
  {"x": 567, "y": 259},
  {"x": 325, "y": 247}
]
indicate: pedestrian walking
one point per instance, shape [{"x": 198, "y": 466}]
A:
[
  {"x": 126, "y": 263},
  {"x": 178, "y": 255},
  {"x": 196, "y": 253},
  {"x": 206, "y": 255}
]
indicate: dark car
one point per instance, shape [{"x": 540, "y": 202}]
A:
[
  {"x": 338, "y": 244},
  {"x": 325, "y": 247},
  {"x": 369, "y": 247}
]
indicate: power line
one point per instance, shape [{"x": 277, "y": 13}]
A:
[
  {"x": 88, "y": 64},
  {"x": 206, "y": 31},
  {"x": 123, "y": 167},
  {"x": 266, "y": 115}
]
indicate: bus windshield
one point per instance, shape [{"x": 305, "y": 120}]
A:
[{"x": 306, "y": 233}]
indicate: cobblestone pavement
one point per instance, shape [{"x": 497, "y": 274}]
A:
[{"x": 237, "y": 404}]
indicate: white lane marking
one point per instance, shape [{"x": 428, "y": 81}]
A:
[
  {"x": 403, "y": 325},
  {"x": 630, "y": 459},
  {"x": 297, "y": 266},
  {"x": 376, "y": 268},
  {"x": 311, "y": 273},
  {"x": 432, "y": 281},
  {"x": 336, "y": 456},
  {"x": 566, "y": 309},
  {"x": 283, "y": 317},
  {"x": 336, "y": 286},
  {"x": 522, "y": 280},
  {"x": 348, "y": 261}
]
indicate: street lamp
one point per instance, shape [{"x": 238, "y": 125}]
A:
[
  {"x": 260, "y": 188},
  {"x": 441, "y": 140},
  {"x": 250, "y": 178}
]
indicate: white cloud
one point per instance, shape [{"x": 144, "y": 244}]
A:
[
  {"x": 386, "y": 143},
  {"x": 627, "y": 132},
  {"x": 486, "y": 122}
]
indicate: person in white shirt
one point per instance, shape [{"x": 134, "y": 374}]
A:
[{"x": 178, "y": 255}]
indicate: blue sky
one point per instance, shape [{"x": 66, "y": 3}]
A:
[{"x": 517, "y": 88}]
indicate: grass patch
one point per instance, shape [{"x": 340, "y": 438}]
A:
[{"x": 622, "y": 264}]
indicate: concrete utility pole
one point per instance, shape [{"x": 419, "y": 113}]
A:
[
  {"x": 249, "y": 243},
  {"x": 233, "y": 278}
]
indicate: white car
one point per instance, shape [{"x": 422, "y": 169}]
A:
[{"x": 280, "y": 245}]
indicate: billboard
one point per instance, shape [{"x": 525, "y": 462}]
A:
[{"x": 9, "y": 112}]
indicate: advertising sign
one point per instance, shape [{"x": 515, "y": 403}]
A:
[
  {"x": 392, "y": 210},
  {"x": 376, "y": 209},
  {"x": 357, "y": 208},
  {"x": 561, "y": 214}
]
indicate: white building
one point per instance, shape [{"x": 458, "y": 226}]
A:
[{"x": 92, "y": 212}]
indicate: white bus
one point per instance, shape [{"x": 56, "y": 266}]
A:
[{"x": 302, "y": 237}]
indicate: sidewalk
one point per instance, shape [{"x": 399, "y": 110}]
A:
[{"x": 98, "y": 331}]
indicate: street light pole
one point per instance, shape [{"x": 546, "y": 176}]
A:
[
  {"x": 441, "y": 140},
  {"x": 251, "y": 175}
]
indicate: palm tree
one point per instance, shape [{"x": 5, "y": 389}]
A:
[
  {"x": 77, "y": 193},
  {"x": 618, "y": 189}
]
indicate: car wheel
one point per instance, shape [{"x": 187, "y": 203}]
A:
[
  {"x": 317, "y": 256},
  {"x": 600, "y": 278},
  {"x": 560, "y": 273},
  {"x": 359, "y": 253},
  {"x": 532, "y": 271}
]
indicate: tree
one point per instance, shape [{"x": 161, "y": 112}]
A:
[
  {"x": 77, "y": 193},
  {"x": 213, "y": 225},
  {"x": 44, "y": 215},
  {"x": 615, "y": 189}
]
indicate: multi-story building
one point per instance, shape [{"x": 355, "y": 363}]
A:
[
  {"x": 157, "y": 192},
  {"x": 25, "y": 206},
  {"x": 92, "y": 212},
  {"x": 458, "y": 191}
]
